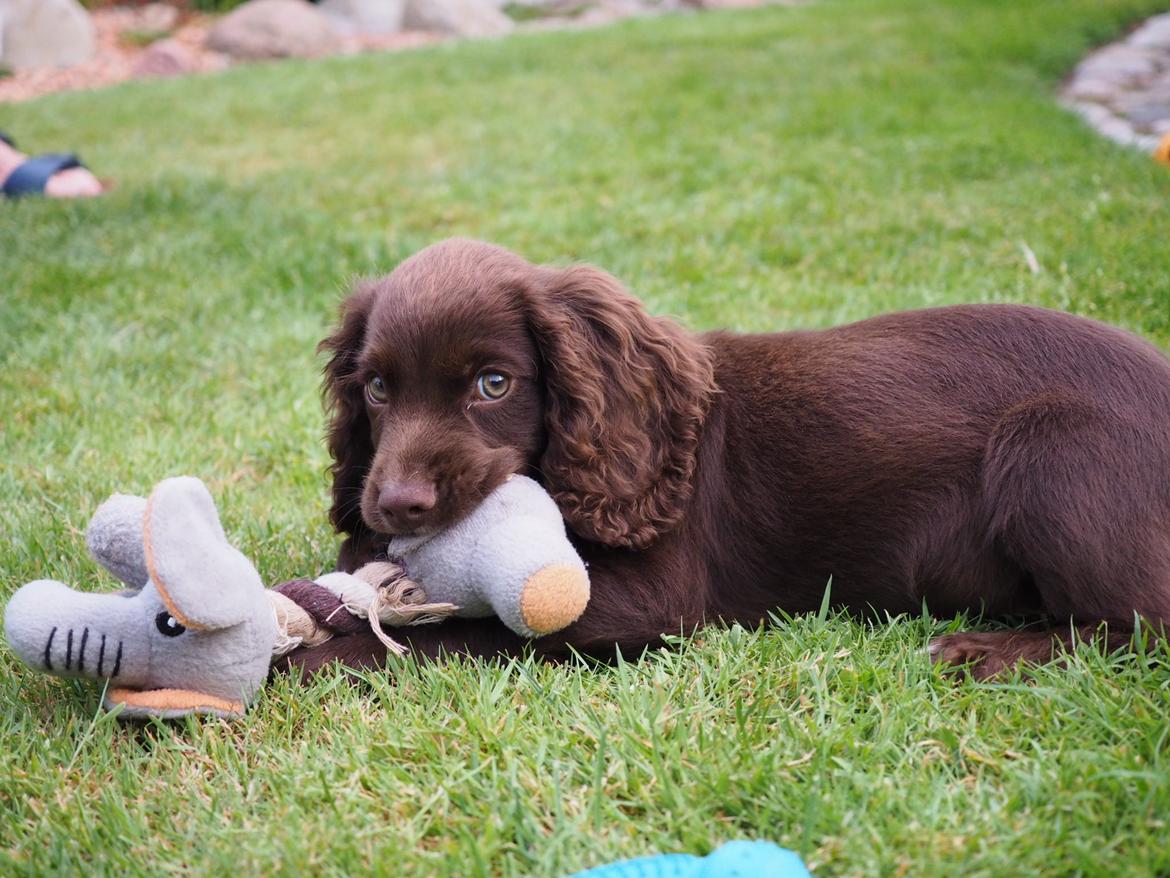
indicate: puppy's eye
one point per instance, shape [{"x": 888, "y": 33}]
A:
[
  {"x": 492, "y": 385},
  {"x": 376, "y": 390}
]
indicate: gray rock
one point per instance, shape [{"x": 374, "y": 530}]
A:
[
  {"x": 1113, "y": 127},
  {"x": 274, "y": 29},
  {"x": 1084, "y": 88},
  {"x": 1159, "y": 93},
  {"x": 1117, "y": 130},
  {"x": 1146, "y": 142},
  {"x": 1120, "y": 64},
  {"x": 365, "y": 16},
  {"x": 537, "y": 4},
  {"x": 1128, "y": 101},
  {"x": 598, "y": 16},
  {"x": 44, "y": 33},
  {"x": 1143, "y": 118},
  {"x": 1143, "y": 101},
  {"x": 724, "y": 4},
  {"x": 164, "y": 58},
  {"x": 461, "y": 18},
  {"x": 1095, "y": 114},
  {"x": 1154, "y": 34}
]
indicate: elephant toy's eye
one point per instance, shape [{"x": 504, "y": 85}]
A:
[{"x": 168, "y": 625}]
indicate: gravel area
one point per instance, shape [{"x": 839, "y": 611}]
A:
[{"x": 121, "y": 54}]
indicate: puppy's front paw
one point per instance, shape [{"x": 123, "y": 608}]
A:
[{"x": 981, "y": 655}]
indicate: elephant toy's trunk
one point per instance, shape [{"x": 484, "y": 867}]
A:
[
  {"x": 75, "y": 651},
  {"x": 68, "y": 633}
]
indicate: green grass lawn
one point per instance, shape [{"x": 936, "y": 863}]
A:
[{"x": 763, "y": 170}]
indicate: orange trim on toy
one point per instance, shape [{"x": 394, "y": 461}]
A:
[
  {"x": 173, "y": 699},
  {"x": 152, "y": 569}
]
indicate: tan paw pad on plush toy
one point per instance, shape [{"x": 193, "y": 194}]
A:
[{"x": 554, "y": 597}]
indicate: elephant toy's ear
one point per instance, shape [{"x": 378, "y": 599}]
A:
[
  {"x": 204, "y": 581},
  {"x": 114, "y": 537}
]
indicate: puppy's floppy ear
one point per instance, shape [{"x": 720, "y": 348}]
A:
[
  {"x": 627, "y": 395},
  {"x": 348, "y": 435}
]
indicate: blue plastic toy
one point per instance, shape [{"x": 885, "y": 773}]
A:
[{"x": 736, "y": 859}]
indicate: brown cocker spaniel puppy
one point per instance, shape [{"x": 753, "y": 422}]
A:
[{"x": 1001, "y": 459}]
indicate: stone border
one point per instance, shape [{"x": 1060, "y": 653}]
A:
[{"x": 1123, "y": 90}]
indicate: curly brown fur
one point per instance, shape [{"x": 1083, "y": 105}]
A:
[
  {"x": 998, "y": 459},
  {"x": 625, "y": 399}
]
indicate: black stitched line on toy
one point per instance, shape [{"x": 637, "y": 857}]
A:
[
  {"x": 48, "y": 650},
  {"x": 81, "y": 651},
  {"x": 69, "y": 651},
  {"x": 117, "y": 660},
  {"x": 101, "y": 654}
]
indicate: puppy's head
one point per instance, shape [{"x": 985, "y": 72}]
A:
[{"x": 468, "y": 363}]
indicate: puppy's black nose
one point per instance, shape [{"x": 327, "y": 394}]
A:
[{"x": 406, "y": 504}]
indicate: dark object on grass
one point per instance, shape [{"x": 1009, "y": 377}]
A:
[
  {"x": 30, "y": 177},
  {"x": 998, "y": 459}
]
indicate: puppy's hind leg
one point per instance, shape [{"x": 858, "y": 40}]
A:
[{"x": 1080, "y": 500}]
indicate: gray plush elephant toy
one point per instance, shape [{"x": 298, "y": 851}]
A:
[
  {"x": 195, "y": 632},
  {"x": 198, "y": 630}
]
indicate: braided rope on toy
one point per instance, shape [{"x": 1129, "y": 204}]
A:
[{"x": 308, "y": 614}]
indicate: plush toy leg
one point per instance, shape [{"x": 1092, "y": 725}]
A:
[{"x": 554, "y": 597}]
